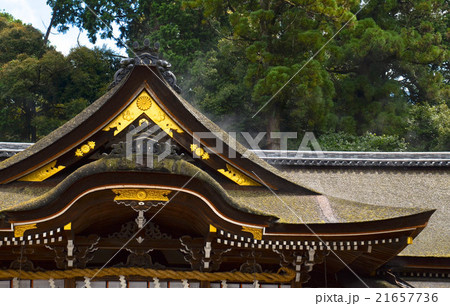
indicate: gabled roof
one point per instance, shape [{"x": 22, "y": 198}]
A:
[
  {"x": 58, "y": 150},
  {"x": 232, "y": 187}
]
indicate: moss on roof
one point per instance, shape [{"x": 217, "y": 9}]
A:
[
  {"x": 282, "y": 206},
  {"x": 297, "y": 209},
  {"x": 42, "y": 196},
  {"x": 402, "y": 188},
  {"x": 287, "y": 207},
  {"x": 19, "y": 192},
  {"x": 359, "y": 212}
]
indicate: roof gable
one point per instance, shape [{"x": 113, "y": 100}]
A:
[{"x": 143, "y": 96}]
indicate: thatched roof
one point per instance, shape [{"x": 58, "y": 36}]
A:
[{"x": 394, "y": 187}]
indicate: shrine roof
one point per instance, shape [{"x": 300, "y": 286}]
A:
[
  {"x": 425, "y": 188},
  {"x": 303, "y": 209},
  {"x": 307, "y": 203},
  {"x": 97, "y": 116}
]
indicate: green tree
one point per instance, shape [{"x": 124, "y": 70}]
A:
[
  {"x": 393, "y": 56},
  {"x": 385, "y": 73},
  {"x": 367, "y": 142},
  {"x": 18, "y": 38},
  {"x": 275, "y": 39},
  {"x": 429, "y": 127},
  {"x": 180, "y": 32},
  {"x": 392, "y": 59},
  {"x": 39, "y": 90},
  {"x": 91, "y": 72},
  {"x": 17, "y": 85}
]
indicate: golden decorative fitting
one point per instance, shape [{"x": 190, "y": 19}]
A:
[
  {"x": 68, "y": 226},
  {"x": 42, "y": 173},
  {"x": 20, "y": 229},
  {"x": 141, "y": 194},
  {"x": 409, "y": 240},
  {"x": 84, "y": 149},
  {"x": 143, "y": 104},
  {"x": 205, "y": 156},
  {"x": 128, "y": 116},
  {"x": 142, "y": 121},
  {"x": 238, "y": 177},
  {"x": 199, "y": 152},
  {"x": 256, "y": 232},
  {"x": 212, "y": 229}
]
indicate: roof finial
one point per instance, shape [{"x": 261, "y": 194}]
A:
[{"x": 146, "y": 55}]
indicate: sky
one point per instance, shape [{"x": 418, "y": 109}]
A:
[{"x": 38, "y": 14}]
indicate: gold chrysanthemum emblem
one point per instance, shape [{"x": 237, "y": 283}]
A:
[
  {"x": 141, "y": 195},
  {"x": 85, "y": 148},
  {"x": 144, "y": 102}
]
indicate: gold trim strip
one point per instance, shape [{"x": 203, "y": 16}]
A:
[
  {"x": 142, "y": 194},
  {"x": 238, "y": 177},
  {"x": 256, "y": 232},
  {"x": 19, "y": 230},
  {"x": 42, "y": 173}
]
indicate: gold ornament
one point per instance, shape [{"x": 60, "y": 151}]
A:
[
  {"x": 256, "y": 232},
  {"x": 84, "y": 149},
  {"x": 42, "y": 173},
  {"x": 141, "y": 194},
  {"x": 19, "y": 230},
  {"x": 128, "y": 116},
  {"x": 238, "y": 177},
  {"x": 200, "y": 152},
  {"x": 144, "y": 102}
]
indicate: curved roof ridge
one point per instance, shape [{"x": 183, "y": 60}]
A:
[
  {"x": 106, "y": 164},
  {"x": 258, "y": 202}
]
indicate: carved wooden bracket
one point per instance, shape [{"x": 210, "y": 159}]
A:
[
  {"x": 151, "y": 231},
  {"x": 301, "y": 261},
  {"x": 22, "y": 262},
  {"x": 202, "y": 257},
  {"x": 75, "y": 256},
  {"x": 250, "y": 265}
]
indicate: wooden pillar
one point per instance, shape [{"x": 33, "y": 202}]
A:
[
  {"x": 295, "y": 284},
  {"x": 205, "y": 284},
  {"x": 69, "y": 283}
]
